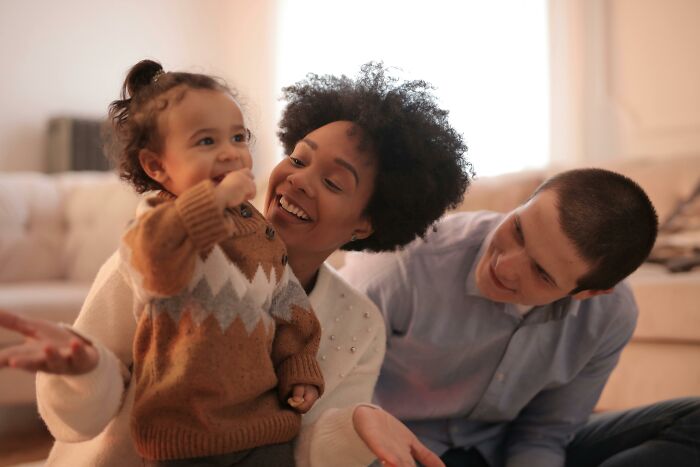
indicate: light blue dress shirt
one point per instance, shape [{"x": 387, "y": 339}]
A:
[{"x": 464, "y": 371}]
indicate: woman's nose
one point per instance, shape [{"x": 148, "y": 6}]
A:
[{"x": 300, "y": 181}]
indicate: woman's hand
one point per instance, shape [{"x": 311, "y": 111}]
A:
[
  {"x": 390, "y": 440},
  {"x": 47, "y": 347}
]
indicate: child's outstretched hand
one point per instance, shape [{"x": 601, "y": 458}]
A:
[
  {"x": 236, "y": 187},
  {"x": 47, "y": 347},
  {"x": 303, "y": 397}
]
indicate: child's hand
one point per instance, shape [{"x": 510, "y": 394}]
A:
[
  {"x": 236, "y": 187},
  {"x": 47, "y": 347},
  {"x": 303, "y": 397}
]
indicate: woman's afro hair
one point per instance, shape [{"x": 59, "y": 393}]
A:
[{"x": 420, "y": 158}]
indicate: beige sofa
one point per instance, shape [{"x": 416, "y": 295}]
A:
[
  {"x": 663, "y": 359},
  {"x": 56, "y": 230}
]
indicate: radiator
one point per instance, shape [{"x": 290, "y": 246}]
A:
[{"x": 75, "y": 144}]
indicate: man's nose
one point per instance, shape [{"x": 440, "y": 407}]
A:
[{"x": 509, "y": 264}]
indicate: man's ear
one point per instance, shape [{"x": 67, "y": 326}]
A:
[
  {"x": 584, "y": 294},
  {"x": 152, "y": 165}
]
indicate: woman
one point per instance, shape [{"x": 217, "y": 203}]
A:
[{"x": 371, "y": 164}]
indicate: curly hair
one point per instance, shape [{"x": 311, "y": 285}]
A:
[
  {"x": 133, "y": 119},
  {"x": 421, "y": 168}
]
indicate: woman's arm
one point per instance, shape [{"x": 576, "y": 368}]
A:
[{"x": 78, "y": 407}]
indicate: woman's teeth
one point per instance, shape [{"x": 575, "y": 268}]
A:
[{"x": 292, "y": 209}]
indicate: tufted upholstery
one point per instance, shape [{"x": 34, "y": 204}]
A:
[{"x": 55, "y": 232}]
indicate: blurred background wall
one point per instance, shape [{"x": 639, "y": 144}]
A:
[{"x": 527, "y": 83}]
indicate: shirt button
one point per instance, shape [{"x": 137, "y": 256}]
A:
[
  {"x": 500, "y": 376},
  {"x": 270, "y": 233},
  {"x": 245, "y": 212},
  {"x": 284, "y": 260}
]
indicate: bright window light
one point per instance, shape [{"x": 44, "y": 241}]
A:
[{"x": 488, "y": 61}]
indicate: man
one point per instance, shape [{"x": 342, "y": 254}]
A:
[{"x": 503, "y": 329}]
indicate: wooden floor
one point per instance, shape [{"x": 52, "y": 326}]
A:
[{"x": 23, "y": 436}]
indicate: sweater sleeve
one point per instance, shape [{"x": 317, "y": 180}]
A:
[
  {"x": 297, "y": 337},
  {"x": 77, "y": 408},
  {"x": 159, "y": 250}
]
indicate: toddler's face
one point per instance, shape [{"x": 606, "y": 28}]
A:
[{"x": 204, "y": 137}]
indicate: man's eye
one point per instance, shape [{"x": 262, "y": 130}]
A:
[
  {"x": 543, "y": 275},
  {"x": 518, "y": 230},
  {"x": 295, "y": 162},
  {"x": 205, "y": 141}
]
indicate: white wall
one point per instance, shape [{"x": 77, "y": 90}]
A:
[
  {"x": 625, "y": 77},
  {"x": 70, "y": 58}
]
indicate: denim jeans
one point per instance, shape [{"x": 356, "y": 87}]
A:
[{"x": 662, "y": 434}]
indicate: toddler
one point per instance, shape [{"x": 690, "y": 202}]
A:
[{"x": 225, "y": 344}]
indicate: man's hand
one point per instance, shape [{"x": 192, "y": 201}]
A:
[
  {"x": 303, "y": 397},
  {"x": 390, "y": 440},
  {"x": 47, "y": 347},
  {"x": 236, "y": 187}
]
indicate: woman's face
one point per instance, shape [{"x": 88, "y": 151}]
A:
[{"x": 317, "y": 194}]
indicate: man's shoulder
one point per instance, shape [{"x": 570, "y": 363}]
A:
[
  {"x": 616, "y": 310},
  {"x": 458, "y": 229}
]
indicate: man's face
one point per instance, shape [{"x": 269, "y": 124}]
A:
[{"x": 529, "y": 260}]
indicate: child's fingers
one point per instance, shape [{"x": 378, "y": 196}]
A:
[
  {"x": 298, "y": 392},
  {"x": 305, "y": 406}
]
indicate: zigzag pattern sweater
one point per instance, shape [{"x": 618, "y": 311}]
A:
[{"x": 224, "y": 333}]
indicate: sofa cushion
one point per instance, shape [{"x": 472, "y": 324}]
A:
[
  {"x": 667, "y": 180},
  {"x": 668, "y": 304},
  {"x": 97, "y": 207},
  {"x": 31, "y": 231}
]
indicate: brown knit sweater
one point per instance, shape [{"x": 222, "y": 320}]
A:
[{"x": 224, "y": 329}]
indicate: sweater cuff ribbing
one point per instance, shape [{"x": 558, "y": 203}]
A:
[
  {"x": 203, "y": 219},
  {"x": 299, "y": 369}
]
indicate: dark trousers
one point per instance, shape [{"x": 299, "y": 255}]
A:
[
  {"x": 278, "y": 455},
  {"x": 665, "y": 433},
  {"x": 662, "y": 434}
]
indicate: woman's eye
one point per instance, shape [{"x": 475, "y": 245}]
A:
[
  {"x": 295, "y": 162},
  {"x": 205, "y": 141},
  {"x": 332, "y": 185}
]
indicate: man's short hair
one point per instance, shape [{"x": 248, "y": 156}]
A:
[{"x": 610, "y": 220}]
